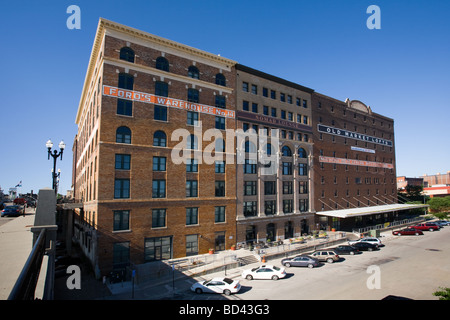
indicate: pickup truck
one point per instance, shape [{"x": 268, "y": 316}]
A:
[{"x": 426, "y": 226}]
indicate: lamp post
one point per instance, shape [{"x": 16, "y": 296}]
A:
[{"x": 55, "y": 155}]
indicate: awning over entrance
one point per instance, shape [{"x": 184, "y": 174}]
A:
[{"x": 355, "y": 212}]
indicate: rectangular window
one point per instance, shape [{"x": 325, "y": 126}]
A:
[
  {"x": 255, "y": 107},
  {"x": 121, "y": 255},
  {"x": 192, "y": 118},
  {"x": 265, "y": 92},
  {"x": 287, "y": 187},
  {"x": 274, "y": 112},
  {"x": 161, "y": 89},
  {"x": 302, "y": 169},
  {"x": 220, "y": 188},
  {"x": 270, "y": 187},
  {"x": 219, "y": 166},
  {"x": 158, "y": 248},
  {"x": 250, "y": 188},
  {"x": 159, "y": 163},
  {"x": 121, "y": 220},
  {"x": 287, "y": 168},
  {"x": 303, "y": 205},
  {"x": 287, "y": 206},
  {"x": 270, "y": 207},
  {"x": 124, "y": 107},
  {"x": 245, "y": 86},
  {"x": 121, "y": 188},
  {"x": 220, "y": 123},
  {"x": 283, "y": 114},
  {"x": 298, "y": 101},
  {"x": 191, "y": 216},
  {"x": 220, "y": 102},
  {"x": 191, "y": 188},
  {"x": 219, "y": 214},
  {"x": 303, "y": 187},
  {"x": 191, "y": 245},
  {"x": 245, "y": 105},
  {"x": 193, "y": 95},
  {"x": 254, "y": 89},
  {"x": 250, "y": 166},
  {"x": 282, "y": 97},
  {"x": 160, "y": 113},
  {"x": 250, "y": 208},
  {"x": 159, "y": 189},
  {"x": 191, "y": 165},
  {"x": 158, "y": 218},
  {"x": 266, "y": 110},
  {"x": 123, "y": 161},
  {"x": 305, "y": 104},
  {"x": 273, "y": 94}
]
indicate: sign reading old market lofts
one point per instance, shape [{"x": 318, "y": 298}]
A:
[
  {"x": 165, "y": 101},
  {"x": 353, "y": 135}
]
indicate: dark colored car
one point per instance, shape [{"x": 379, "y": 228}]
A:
[
  {"x": 407, "y": 231},
  {"x": 346, "y": 250},
  {"x": 11, "y": 211},
  {"x": 300, "y": 261},
  {"x": 365, "y": 246}
]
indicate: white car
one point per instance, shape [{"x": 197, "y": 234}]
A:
[
  {"x": 371, "y": 240},
  {"x": 217, "y": 285},
  {"x": 264, "y": 272}
]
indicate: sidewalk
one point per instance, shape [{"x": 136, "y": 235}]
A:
[{"x": 16, "y": 244}]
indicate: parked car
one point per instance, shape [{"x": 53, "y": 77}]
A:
[
  {"x": 430, "y": 226},
  {"x": 11, "y": 211},
  {"x": 217, "y": 285},
  {"x": 407, "y": 231},
  {"x": 264, "y": 272},
  {"x": 442, "y": 223},
  {"x": 329, "y": 256},
  {"x": 301, "y": 261},
  {"x": 343, "y": 249},
  {"x": 365, "y": 246},
  {"x": 372, "y": 240}
]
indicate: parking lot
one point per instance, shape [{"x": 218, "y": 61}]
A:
[{"x": 408, "y": 266}]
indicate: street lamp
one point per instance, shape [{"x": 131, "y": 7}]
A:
[{"x": 55, "y": 155}]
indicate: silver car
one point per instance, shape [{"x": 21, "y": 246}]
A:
[{"x": 301, "y": 261}]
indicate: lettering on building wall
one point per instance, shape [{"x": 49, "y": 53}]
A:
[
  {"x": 165, "y": 101},
  {"x": 352, "y": 162},
  {"x": 353, "y": 135}
]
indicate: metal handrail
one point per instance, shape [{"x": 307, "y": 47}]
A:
[{"x": 25, "y": 286}]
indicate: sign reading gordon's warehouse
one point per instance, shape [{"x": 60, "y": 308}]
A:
[
  {"x": 165, "y": 101},
  {"x": 353, "y": 135}
]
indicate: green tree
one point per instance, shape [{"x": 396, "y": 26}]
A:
[
  {"x": 439, "y": 204},
  {"x": 443, "y": 294}
]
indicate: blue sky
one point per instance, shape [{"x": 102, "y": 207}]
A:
[{"x": 402, "y": 70}]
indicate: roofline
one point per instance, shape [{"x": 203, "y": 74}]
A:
[
  {"x": 273, "y": 78},
  {"x": 104, "y": 24}
]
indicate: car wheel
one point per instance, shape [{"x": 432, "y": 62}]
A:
[
  {"x": 275, "y": 278},
  {"x": 249, "y": 277},
  {"x": 399, "y": 234},
  {"x": 227, "y": 292},
  {"x": 369, "y": 249},
  {"x": 287, "y": 265},
  {"x": 310, "y": 266},
  {"x": 416, "y": 233},
  {"x": 330, "y": 260},
  {"x": 352, "y": 253},
  {"x": 198, "y": 290},
  {"x": 431, "y": 229}
]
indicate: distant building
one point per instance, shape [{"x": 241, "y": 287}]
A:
[
  {"x": 403, "y": 181},
  {"x": 437, "y": 179}
]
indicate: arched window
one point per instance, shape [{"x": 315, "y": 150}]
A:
[
  {"x": 127, "y": 54},
  {"x": 123, "y": 135},
  {"x": 301, "y": 153},
  {"x": 286, "y": 151},
  {"x": 220, "y": 79},
  {"x": 159, "y": 139},
  {"x": 162, "y": 64},
  {"x": 193, "y": 72}
]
